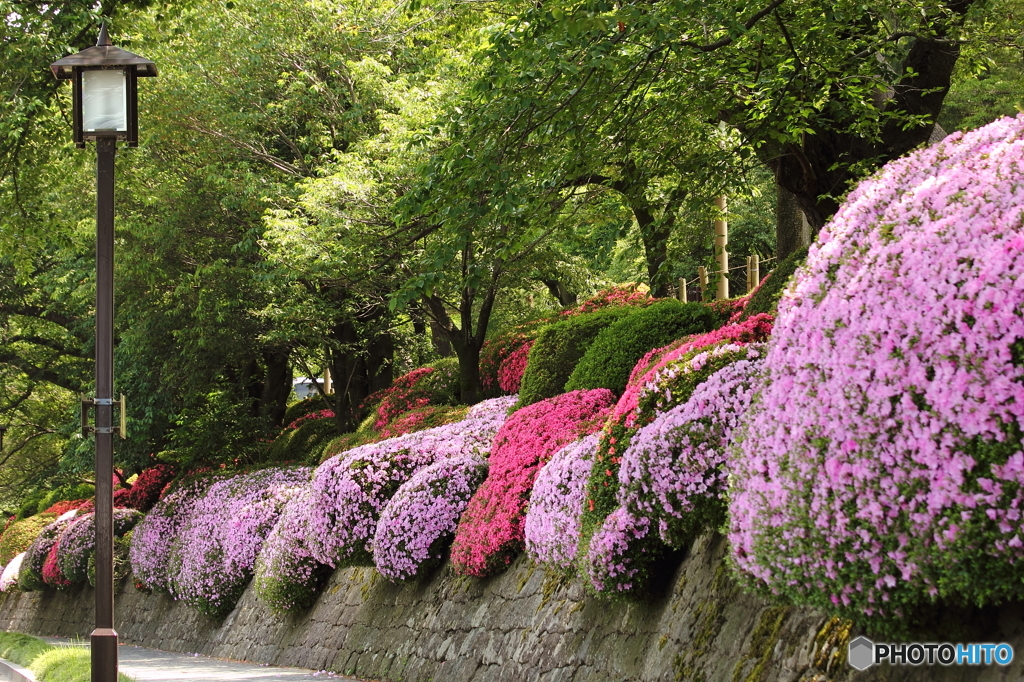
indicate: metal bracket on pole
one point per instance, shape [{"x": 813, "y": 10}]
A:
[{"x": 88, "y": 402}]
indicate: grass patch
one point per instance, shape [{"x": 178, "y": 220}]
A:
[{"x": 49, "y": 663}]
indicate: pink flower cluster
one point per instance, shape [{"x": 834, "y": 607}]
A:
[
  {"x": 286, "y": 576},
  {"x": 52, "y": 575},
  {"x": 884, "y": 453},
  {"x": 552, "y": 526},
  {"x": 31, "y": 575},
  {"x": 215, "y": 547},
  {"x": 620, "y": 552},
  {"x": 675, "y": 469},
  {"x": 491, "y": 531},
  {"x": 422, "y": 418},
  {"x": 154, "y": 536},
  {"x": 510, "y": 374},
  {"x": 349, "y": 491},
  {"x": 418, "y": 523}
]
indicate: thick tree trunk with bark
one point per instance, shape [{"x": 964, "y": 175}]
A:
[{"x": 790, "y": 233}]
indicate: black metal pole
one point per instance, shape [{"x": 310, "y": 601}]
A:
[{"x": 104, "y": 639}]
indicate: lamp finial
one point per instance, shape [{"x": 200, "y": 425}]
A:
[{"x": 104, "y": 39}]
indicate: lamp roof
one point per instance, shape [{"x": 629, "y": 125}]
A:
[{"x": 102, "y": 55}]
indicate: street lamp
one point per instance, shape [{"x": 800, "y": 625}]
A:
[{"x": 104, "y": 111}]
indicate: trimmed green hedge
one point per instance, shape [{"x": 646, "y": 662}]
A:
[
  {"x": 766, "y": 298},
  {"x": 559, "y": 347},
  {"x": 20, "y": 534},
  {"x": 616, "y": 350}
]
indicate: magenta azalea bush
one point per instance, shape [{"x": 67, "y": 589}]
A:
[
  {"x": 214, "y": 550},
  {"x": 9, "y": 577},
  {"x": 349, "y": 491},
  {"x": 286, "y": 576},
  {"x": 552, "y": 525},
  {"x": 491, "y": 531},
  {"x": 620, "y": 552},
  {"x": 418, "y": 523},
  {"x": 78, "y": 542},
  {"x": 882, "y": 464}
]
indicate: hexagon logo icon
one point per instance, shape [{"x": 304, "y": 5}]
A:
[{"x": 861, "y": 653}]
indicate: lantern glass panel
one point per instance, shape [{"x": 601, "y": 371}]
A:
[{"x": 104, "y": 100}]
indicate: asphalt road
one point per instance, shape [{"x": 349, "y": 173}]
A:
[{"x": 153, "y": 665}]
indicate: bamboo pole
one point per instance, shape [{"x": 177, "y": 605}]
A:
[
  {"x": 682, "y": 290},
  {"x": 702, "y": 275},
  {"x": 755, "y": 271},
  {"x": 721, "y": 254}
]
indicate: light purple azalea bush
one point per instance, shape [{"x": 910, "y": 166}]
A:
[
  {"x": 621, "y": 552},
  {"x": 77, "y": 542},
  {"x": 349, "y": 491},
  {"x": 287, "y": 577},
  {"x": 30, "y": 577},
  {"x": 418, "y": 523},
  {"x": 553, "y": 518},
  {"x": 214, "y": 550},
  {"x": 675, "y": 470},
  {"x": 671, "y": 462},
  {"x": 882, "y": 465},
  {"x": 153, "y": 538},
  {"x": 9, "y": 577}
]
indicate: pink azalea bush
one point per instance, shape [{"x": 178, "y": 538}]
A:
[
  {"x": 659, "y": 382},
  {"x": 491, "y": 532},
  {"x": 552, "y": 526},
  {"x": 349, "y": 491},
  {"x": 9, "y": 577},
  {"x": 418, "y": 523},
  {"x": 78, "y": 542},
  {"x": 672, "y": 476},
  {"x": 675, "y": 469},
  {"x": 286, "y": 576},
  {"x": 153, "y": 538},
  {"x": 884, "y": 454},
  {"x": 214, "y": 550}
]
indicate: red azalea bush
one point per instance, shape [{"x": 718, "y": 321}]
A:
[
  {"x": 491, "y": 532},
  {"x": 52, "y": 574},
  {"x": 510, "y": 374},
  {"x": 319, "y": 414},
  {"x": 399, "y": 397},
  {"x": 63, "y": 507},
  {"x": 622, "y": 294},
  {"x": 147, "y": 488}
]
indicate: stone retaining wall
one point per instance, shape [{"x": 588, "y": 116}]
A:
[{"x": 520, "y": 626}]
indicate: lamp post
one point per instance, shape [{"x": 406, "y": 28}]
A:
[{"x": 104, "y": 111}]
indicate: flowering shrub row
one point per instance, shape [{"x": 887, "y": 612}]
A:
[
  {"x": 884, "y": 454},
  {"x": 214, "y": 550},
  {"x": 436, "y": 385},
  {"x": 422, "y": 418},
  {"x": 349, "y": 491},
  {"x": 490, "y": 533}
]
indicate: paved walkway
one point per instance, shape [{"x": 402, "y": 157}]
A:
[{"x": 153, "y": 665}]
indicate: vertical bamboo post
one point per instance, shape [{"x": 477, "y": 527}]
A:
[
  {"x": 328, "y": 384},
  {"x": 702, "y": 275},
  {"x": 750, "y": 275},
  {"x": 682, "y": 290},
  {"x": 721, "y": 254},
  {"x": 755, "y": 271}
]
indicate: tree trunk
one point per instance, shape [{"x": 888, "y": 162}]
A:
[
  {"x": 790, "y": 233},
  {"x": 277, "y": 384},
  {"x": 561, "y": 292}
]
